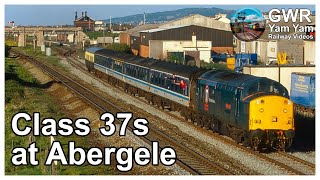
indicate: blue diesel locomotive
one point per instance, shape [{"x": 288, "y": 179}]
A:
[{"x": 252, "y": 110}]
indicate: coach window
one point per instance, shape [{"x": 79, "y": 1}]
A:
[
  {"x": 156, "y": 78},
  {"x": 126, "y": 69},
  {"x": 137, "y": 72},
  {"x": 161, "y": 79},
  {"x": 145, "y": 75},
  {"x": 167, "y": 81},
  {"x": 130, "y": 70},
  {"x": 160, "y": 76},
  {"x": 186, "y": 91},
  {"x": 141, "y": 73},
  {"x": 108, "y": 62},
  {"x": 117, "y": 66}
]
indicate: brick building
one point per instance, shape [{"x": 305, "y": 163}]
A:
[{"x": 85, "y": 22}]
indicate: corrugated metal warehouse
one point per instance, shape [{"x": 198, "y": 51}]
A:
[
  {"x": 205, "y": 29},
  {"x": 221, "y": 41}
]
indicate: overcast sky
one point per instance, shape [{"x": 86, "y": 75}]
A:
[{"x": 64, "y": 14}]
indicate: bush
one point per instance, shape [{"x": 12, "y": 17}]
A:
[
  {"x": 119, "y": 47},
  {"x": 95, "y": 35},
  {"x": 177, "y": 58}
]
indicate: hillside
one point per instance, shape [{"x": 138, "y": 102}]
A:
[{"x": 164, "y": 16}]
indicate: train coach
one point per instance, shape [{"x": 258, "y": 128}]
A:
[{"x": 254, "y": 111}]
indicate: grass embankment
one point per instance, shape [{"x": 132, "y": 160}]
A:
[
  {"x": 23, "y": 93},
  {"x": 53, "y": 59}
]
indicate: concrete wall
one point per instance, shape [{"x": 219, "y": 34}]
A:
[
  {"x": 272, "y": 49},
  {"x": 70, "y": 38},
  {"x": 280, "y": 74},
  {"x": 158, "y": 49},
  {"x": 309, "y": 52},
  {"x": 293, "y": 48},
  {"x": 106, "y": 40},
  {"x": 22, "y": 40}
]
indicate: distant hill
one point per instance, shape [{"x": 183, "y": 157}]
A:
[{"x": 160, "y": 17}]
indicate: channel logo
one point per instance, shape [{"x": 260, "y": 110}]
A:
[{"x": 248, "y": 24}]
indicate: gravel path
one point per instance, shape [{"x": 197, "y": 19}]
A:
[{"x": 296, "y": 165}]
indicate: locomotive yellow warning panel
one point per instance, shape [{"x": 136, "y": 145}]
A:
[{"x": 271, "y": 113}]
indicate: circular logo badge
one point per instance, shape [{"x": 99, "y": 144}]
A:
[{"x": 247, "y": 24}]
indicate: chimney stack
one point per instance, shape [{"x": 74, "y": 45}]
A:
[
  {"x": 85, "y": 13},
  {"x": 76, "y": 16},
  {"x": 82, "y": 13}
]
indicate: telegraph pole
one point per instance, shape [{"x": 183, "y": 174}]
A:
[{"x": 110, "y": 24}]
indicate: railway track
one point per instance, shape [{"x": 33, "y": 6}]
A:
[
  {"x": 306, "y": 163},
  {"x": 281, "y": 165},
  {"x": 191, "y": 161}
]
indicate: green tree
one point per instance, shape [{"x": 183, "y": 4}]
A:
[{"x": 119, "y": 47}]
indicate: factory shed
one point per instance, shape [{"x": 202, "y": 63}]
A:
[
  {"x": 125, "y": 35},
  {"x": 221, "y": 40},
  {"x": 205, "y": 28}
]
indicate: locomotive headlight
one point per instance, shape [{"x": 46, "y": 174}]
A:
[
  {"x": 285, "y": 111},
  {"x": 260, "y": 101},
  {"x": 261, "y": 110},
  {"x": 287, "y": 102}
]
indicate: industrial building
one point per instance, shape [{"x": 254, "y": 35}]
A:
[
  {"x": 190, "y": 50},
  {"x": 156, "y": 42},
  {"x": 134, "y": 33},
  {"x": 309, "y": 48},
  {"x": 85, "y": 22},
  {"x": 178, "y": 33},
  {"x": 99, "y": 26}
]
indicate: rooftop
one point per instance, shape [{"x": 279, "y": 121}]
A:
[{"x": 163, "y": 28}]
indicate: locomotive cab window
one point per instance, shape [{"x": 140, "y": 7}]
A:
[{"x": 265, "y": 86}]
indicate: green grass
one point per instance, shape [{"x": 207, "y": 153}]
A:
[
  {"x": 23, "y": 93},
  {"x": 53, "y": 59}
]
